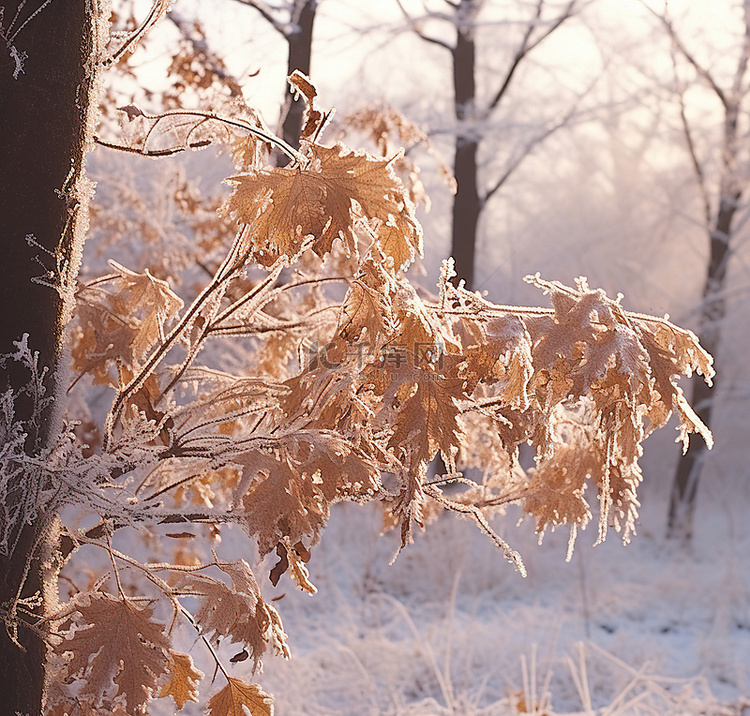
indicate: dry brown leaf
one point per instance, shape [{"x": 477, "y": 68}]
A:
[
  {"x": 239, "y": 613},
  {"x": 397, "y": 242},
  {"x": 428, "y": 419},
  {"x": 183, "y": 681},
  {"x": 501, "y": 352},
  {"x": 285, "y": 205},
  {"x": 291, "y": 560},
  {"x": 313, "y": 117},
  {"x": 293, "y": 487},
  {"x": 115, "y": 642},
  {"x": 367, "y": 307},
  {"x": 119, "y": 322},
  {"x": 237, "y": 696},
  {"x": 555, "y": 492}
]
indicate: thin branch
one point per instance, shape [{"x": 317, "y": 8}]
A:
[
  {"x": 744, "y": 55},
  {"x": 12, "y": 37},
  {"x": 213, "y": 324},
  {"x": 70, "y": 541},
  {"x": 263, "y": 134},
  {"x": 524, "y": 154},
  {"x": 158, "y": 9},
  {"x": 251, "y": 295},
  {"x": 414, "y": 27},
  {"x": 243, "y": 330},
  {"x": 680, "y": 46},
  {"x": 205, "y": 640},
  {"x": 476, "y": 514},
  {"x": 152, "y": 152},
  {"x": 267, "y": 13},
  {"x": 527, "y": 46},
  {"x": 689, "y": 141},
  {"x": 228, "y": 265}
]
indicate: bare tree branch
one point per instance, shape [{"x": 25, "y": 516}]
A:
[
  {"x": 683, "y": 50},
  {"x": 527, "y": 45},
  {"x": 745, "y": 54},
  {"x": 690, "y": 143},
  {"x": 417, "y": 30},
  {"x": 538, "y": 139},
  {"x": 158, "y": 9},
  {"x": 152, "y": 152},
  {"x": 267, "y": 12}
]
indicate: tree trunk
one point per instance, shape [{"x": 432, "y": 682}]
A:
[
  {"x": 300, "y": 52},
  {"x": 466, "y": 203},
  {"x": 43, "y": 132},
  {"x": 466, "y": 208},
  {"x": 713, "y": 311}
]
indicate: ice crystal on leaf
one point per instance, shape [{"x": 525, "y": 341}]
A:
[
  {"x": 120, "y": 318},
  {"x": 238, "y": 612}
]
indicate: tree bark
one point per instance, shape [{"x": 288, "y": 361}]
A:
[
  {"x": 43, "y": 132},
  {"x": 466, "y": 210},
  {"x": 466, "y": 202},
  {"x": 685, "y": 486},
  {"x": 713, "y": 311}
]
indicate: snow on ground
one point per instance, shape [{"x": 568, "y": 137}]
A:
[{"x": 451, "y": 628}]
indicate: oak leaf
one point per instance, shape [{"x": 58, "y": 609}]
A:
[
  {"x": 293, "y": 485},
  {"x": 374, "y": 186},
  {"x": 399, "y": 242},
  {"x": 500, "y": 353},
  {"x": 555, "y": 492},
  {"x": 238, "y": 698},
  {"x": 284, "y": 205},
  {"x": 313, "y": 118},
  {"x": 183, "y": 681},
  {"x": 239, "y": 613},
  {"x": 368, "y": 306},
  {"x": 428, "y": 419},
  {"x": 119, "y": 321},
  {"x": 115, "y": 641}
]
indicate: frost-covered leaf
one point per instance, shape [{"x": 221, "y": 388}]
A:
[
  {"x": 555, "y": 492},
  {"x": 428, "y": 418},
  {"x": 313, "y": 117},
  {"x": 284, "y": 205},
  {"x": 399, "y": 242},
  {"x": 115, "y": 642},
  {"x": 239, "y": 612},
  {"x": 119, "y": 321},
  {"x": 295, "y": 483},
  {"x": 367, "y": 307}
]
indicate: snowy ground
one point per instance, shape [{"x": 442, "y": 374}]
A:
[{"x": 450, "y": 628}]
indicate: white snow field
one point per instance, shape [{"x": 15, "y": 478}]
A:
[{"x": 451, "y": 628}]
